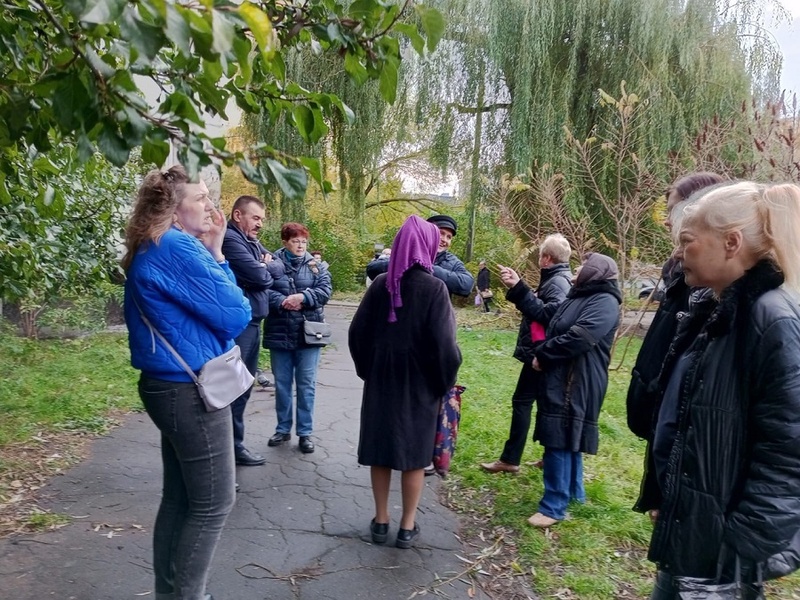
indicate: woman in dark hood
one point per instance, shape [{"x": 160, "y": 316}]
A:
[{"x": 573, "y": 360}]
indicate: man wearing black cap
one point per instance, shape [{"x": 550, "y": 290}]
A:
[{"x": 446, "y": 266}]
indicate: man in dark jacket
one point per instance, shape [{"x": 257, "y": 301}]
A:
[
  {"x": 554, "y": 283},
  {"x": 446, "y": 266},
  {"x": 254, "y": 270},
  {"x": 485, "y": 285}
]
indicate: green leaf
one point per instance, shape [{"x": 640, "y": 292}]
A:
[
  {"x": 314, "y": 167},
  {"x": 180, "y": 105},
  {"x": 103, "y": 11},
  {"x": 224, "y": 32},
  {"x": 417, "y": 41},
  {"x": 251, "y": 172},
  {"x": 49, "y": 195},
  {"x": 261, "y": 28},
  {"x": 278, "y": 67},
  {"x": 145, "y": 38},
  {"x": 70, "y": 99},
  {"x": 241, "y": 48},
  {"x": 5, "y": 196},
  {"x": 346, "y": 111},
  {"x": 432, "y": 24},
  {"x": 202, "y": 35},
  {"x": 354, "y": 68},
  {"x": 335, "y": 33},
  {"x": 155, "y": 151},
  {"x": 362, "y": 9},
  {"x": 177, "y": 30},
  {"x": 320, "y": 127},
  {"x": 112, "y": 145},
  {"x": 292, "y": 182},
  {"x": 388, "y": 80},
  {"x": 304, "y": 121}
]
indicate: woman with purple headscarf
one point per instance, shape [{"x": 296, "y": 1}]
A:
[{"x": 403, "y": 343}]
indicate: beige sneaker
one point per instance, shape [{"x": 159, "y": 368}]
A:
[
  {"x": 542, "y": 521},
  {"x": 499, "y": 466}
]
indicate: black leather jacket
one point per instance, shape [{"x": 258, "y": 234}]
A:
[{"x": 733, "y": 475}]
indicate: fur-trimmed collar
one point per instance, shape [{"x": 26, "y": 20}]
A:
[{"x": 738, "y": 298}]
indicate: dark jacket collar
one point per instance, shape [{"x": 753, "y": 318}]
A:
[
  {"x": 738, "y": 298},
  {"x": 602, "y": 286}
]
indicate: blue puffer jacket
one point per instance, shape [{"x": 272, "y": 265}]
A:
[
  {"x": 283, "y": 329},
  {"x": 190, "y": 298}
]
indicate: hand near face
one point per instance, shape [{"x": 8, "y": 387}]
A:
[
  {"x": 212, "y": 239},
  {"x": 508, "y": 276}
]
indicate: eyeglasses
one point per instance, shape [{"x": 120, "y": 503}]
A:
[{"x": 299, "y": 242}]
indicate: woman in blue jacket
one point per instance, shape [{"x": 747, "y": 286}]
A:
[
  {"x": 179, "y": 279},
  {"x": 296, "y": 296}
]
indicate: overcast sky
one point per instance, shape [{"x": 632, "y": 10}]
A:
[{"x": 788, "y": 37}]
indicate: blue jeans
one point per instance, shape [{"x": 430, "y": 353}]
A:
[
  {"x": 249, "y": 344},
  {"x": 563, "y": 481},
  {"x": 198, "y": 486},
  {"x": 298, "y": 366}
]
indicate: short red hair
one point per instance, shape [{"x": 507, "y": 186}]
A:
[{"x": 290, "y": 230}]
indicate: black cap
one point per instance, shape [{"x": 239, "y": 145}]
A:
[{"x": 443, "y": 221}]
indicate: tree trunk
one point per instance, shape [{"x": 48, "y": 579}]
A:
[{"x": 474, "y": 184}]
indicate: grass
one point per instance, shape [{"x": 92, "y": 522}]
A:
[
  {"x": 74, "y": 384},
  {"x": 53, "y": 393},
  {"x": 600, "y": 552}
]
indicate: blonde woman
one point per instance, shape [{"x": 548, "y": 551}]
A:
[{"x": 725, "y": 449}]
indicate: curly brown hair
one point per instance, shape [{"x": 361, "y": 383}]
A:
[{"x": 153, "y": 211}]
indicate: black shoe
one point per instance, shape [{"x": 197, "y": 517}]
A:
[
  {"x": 405, "y": 537},
  {"x": 306, "y": 445},
  {"x": 278, "y": 439},
  {"x": 246, "y": 459},
  {"x": 379, "y": 531}
]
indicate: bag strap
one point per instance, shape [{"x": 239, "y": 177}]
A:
[{"x": 174, "y": 352}]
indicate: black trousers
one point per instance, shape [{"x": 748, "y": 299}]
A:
[{"x": 521, "y": 409}]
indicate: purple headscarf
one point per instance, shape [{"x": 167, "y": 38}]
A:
[{"x": 416, "y": 243}]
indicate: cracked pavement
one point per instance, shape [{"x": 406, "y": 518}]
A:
[{"x": 299, "y": 530}]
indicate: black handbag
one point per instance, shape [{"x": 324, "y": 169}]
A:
[
  {"x": 701, "y": 588},
  {"x": 316, "y": 333}
]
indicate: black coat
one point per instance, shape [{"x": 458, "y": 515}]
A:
[
  {"x": 733, "y": 474},
  {"x": 283, "y": 329},
  {"x": 539, "y": 305},
  {"x": 407, "y": 367},
  {"x": 253, "y": 275},
  {"x": 574, "y": 361},
  {"x": 446, "y": 266},
  {"x": 643, "y": 389}
]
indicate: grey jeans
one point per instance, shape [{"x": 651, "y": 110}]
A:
[{"x": 198, "y": 487}]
